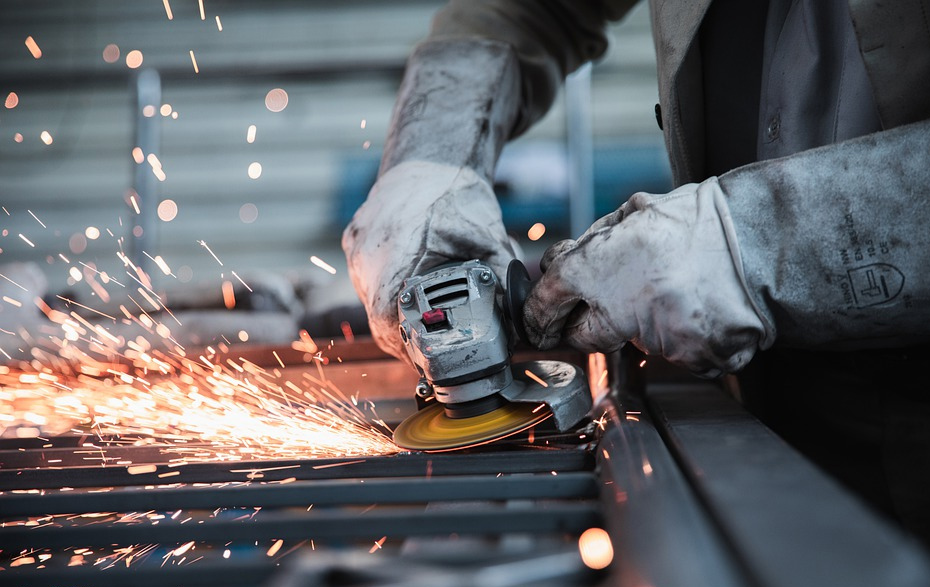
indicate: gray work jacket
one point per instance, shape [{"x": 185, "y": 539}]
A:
[{"x": 556, "y": 37}]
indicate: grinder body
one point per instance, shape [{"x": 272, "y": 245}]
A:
[
  {"x": 456, "y": 335},
  {"x": 459, "y": 334}
]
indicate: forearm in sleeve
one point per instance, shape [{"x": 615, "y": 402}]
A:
[
  {"x": 835, "y": 241},
  {"x": 488, "y": 70}
]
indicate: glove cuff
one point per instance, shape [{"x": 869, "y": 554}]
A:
[
  {"x": 457, "y": 105},
  {"x": 730, "y": 233}
]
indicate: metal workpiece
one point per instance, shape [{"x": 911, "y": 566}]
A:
[
  {"x": 565, "y": 391},
  {"x": 789, "y": 522},
  {"x": 660, "y": 531}
]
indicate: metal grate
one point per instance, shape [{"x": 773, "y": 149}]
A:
[{"x": 324, "y": 515}]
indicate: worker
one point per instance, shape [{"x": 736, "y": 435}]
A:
[{"x": 795, "y": 249}]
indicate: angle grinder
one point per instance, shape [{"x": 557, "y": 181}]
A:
[{"x": 460, "y": 325}]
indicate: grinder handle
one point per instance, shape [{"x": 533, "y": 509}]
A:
[{"x": 516, "y": 289}]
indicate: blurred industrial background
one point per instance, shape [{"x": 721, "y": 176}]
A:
[{"x": 234, "y": 139}]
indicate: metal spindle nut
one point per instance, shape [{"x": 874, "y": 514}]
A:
[
  {"x": 485, "y": 276},
  {"x": 406, "y": 298},
  {"x": 424, "y": 389}
]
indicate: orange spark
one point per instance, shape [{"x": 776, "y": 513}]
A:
[
  {"x": 182, "y": 549},
  {"x": 135, "y": 204},
  {"x": 535, "y": 378},
  {"x": 13, "y": 282},
  {"x": 219, "y": 25},
  {"x": 204, "y": 245},
  {"x": 342, "y": 464},
  {"x": 194, "y": 62},
  {"x": 162, "y": 265},
  {"x": 141, "y": 469},
  {"x": 323, "y": 265},
  {"x": 246, "y": 285},
  {"x": 36, "y": 218},
  {"x": 12, "y": 100},
  {"x": 202, "y": 15},
  {"x": 347, "y": 331},
  {"x": 168, "y": 10},
  {"x": 229, "y": 295},
  {"x": 377, "y": 545},
  {"x": 33, "y": 47},
  {"x": 275, "y": 548}
]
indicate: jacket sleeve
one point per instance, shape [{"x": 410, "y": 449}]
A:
[
  {"x": 835, "y": 241},
  {"x": 551, "y": 38}
]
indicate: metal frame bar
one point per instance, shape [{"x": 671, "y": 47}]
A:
[
  {"x": 302, "y": 493},
  {"x": 491, "y": 520},
  {"x": 401, "y": 465}
]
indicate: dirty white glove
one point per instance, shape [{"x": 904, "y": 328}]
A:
[
  {"x": 433, "y": 201},
  {"x": 662, "y": 272},
  {"x": 417, "y": 216}
]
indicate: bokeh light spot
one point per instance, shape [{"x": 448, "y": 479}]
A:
[
  {"x": 536, "y": 231},
  {"x": 248, "y": 213},
  {"x": 111, "y": 53},
  {"x": 167, "y": 210},
  {"x": 276, "y": 100},
  {"x": 596, "y": 550},
  {"x": 77, "y": 243},
  {"x": 134, "y": 59}
]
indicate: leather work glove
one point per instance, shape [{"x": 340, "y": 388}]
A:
[
  {"x": 417, "y": 216},
  {"x": 662, "y": 272},
  {"x": 433, "y": 202}
]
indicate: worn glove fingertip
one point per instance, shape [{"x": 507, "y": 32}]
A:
[{"x": 554, "y": 251}]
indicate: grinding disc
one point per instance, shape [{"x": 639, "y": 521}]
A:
[{"x": 432, "y": 430}]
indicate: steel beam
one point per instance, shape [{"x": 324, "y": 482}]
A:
[
  {"x": 572, "y": 518},
  {"x": 400, "y": 465},
  {"x": 321, "y": 492}
]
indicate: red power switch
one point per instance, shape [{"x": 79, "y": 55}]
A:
[{"x": 434, "y": 317}]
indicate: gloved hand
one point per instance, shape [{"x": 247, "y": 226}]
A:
[
  {"x": 433, "y": 201},
  {"x": 417, "y": 216},
  {"x": 662, "y": 272}
]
